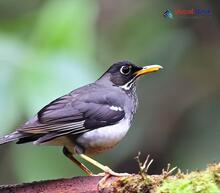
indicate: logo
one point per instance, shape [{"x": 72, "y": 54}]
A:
[
  {"x": 168, "y": 14},
  {"x": 194, "y": 12}
]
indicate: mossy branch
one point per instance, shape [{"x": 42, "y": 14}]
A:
[{"x": 207, "y": 181}]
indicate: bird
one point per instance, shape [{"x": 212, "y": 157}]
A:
[{"x": 89, "y": 120}]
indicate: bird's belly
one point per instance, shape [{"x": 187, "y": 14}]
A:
[{"x": 103, "y": 138}]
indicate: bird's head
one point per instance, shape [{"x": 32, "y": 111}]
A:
[{"x": 123, "y": 74}]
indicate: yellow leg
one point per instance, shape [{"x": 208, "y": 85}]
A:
[
  {"x": 94, "y": 162},
  {"x": 68, "y": 154},
  {"x": 106, "y": 169}
]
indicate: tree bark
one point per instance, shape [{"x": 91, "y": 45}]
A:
[
  {"x": 207, "y": 181},
  {"x": 74, "y": 185}
]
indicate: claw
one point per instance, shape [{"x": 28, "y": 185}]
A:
[
  {"x": 109, "y": 173},
  {"x": 100, "y": 174},
  {"x": 112, "y": 173}
]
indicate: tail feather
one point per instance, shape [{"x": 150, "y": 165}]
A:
[{"x": 11, "y": 137}]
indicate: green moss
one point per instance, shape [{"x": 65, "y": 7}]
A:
[
  {"x": 134, "y": 184},
  {"x": 195, "y": 182},
  {"x": 207, "y": 181},
  {"x": 215, "y": 170}
]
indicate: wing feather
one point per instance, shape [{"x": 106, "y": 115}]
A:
[
  {"x": 54, "y": 127},
  {"x": 75, "y": 115}
]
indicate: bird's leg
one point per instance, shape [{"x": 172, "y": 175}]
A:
[
  {"x": 106, "y": 169},
  {"x": 68, "y": 154}
]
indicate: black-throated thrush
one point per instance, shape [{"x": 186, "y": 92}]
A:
[{"x": 90, "y": 119}]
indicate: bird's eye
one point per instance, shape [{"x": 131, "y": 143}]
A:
[{"x": 125, "y": 70}]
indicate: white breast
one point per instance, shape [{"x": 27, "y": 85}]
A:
[{"x": 104, "y": 138}]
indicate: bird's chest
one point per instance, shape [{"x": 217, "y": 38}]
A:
[{"x": 103, "y": 138}]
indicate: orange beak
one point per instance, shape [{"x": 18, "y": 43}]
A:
[{"x": 148, "y": 69}]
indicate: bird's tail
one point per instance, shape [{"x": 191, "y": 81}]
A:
[{"x": 11, "y": 137}]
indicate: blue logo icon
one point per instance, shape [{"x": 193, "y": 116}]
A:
[{"x": 168, "y": 14}]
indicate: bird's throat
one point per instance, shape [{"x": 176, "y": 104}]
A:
[{"x": 129, "y": 85}]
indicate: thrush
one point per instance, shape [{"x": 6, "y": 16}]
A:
[{"x": 90, "y": 119}]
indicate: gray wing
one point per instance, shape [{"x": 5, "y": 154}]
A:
[{"x": 76, "y": 115}]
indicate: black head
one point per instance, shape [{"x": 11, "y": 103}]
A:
[
  {"x": 125, "y": 73},
  {"x": 122, "y": 72}
]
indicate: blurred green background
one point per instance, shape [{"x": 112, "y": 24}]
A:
[{"x": 50, "y": 47}]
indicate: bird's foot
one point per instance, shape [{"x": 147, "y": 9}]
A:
[
  {"x": 110, "y": 172},
  {"x": 107, "y": 174}
]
